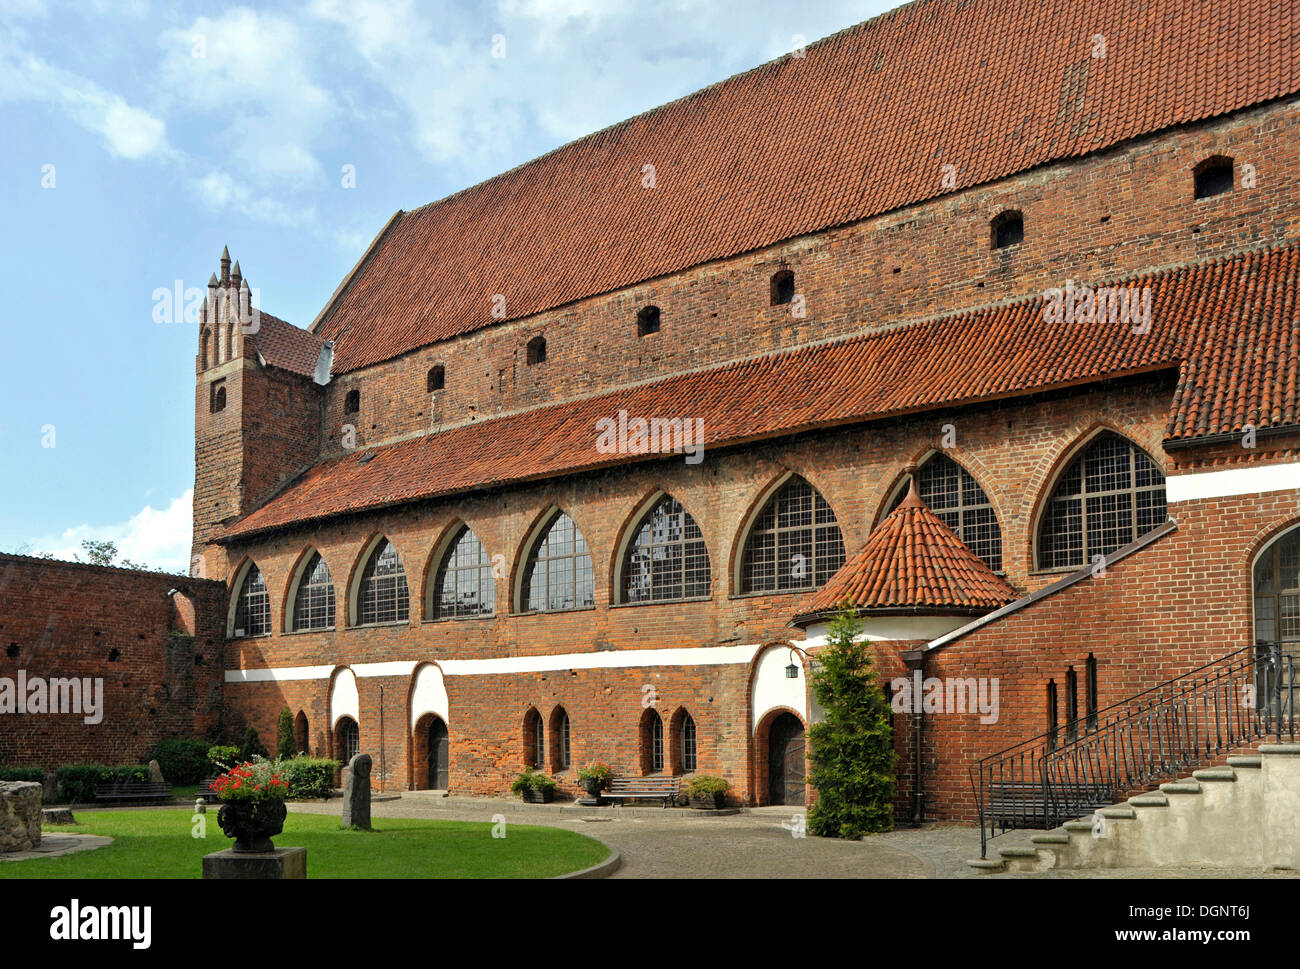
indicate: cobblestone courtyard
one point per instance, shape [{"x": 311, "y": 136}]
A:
[{"x": 757, "y": 843}]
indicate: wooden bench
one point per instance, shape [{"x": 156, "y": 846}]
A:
[
  {"x": 1021, "y": 803},
  {"x": 134, "y": 791},
  {"x": 642, "y": 789},
  {"x": 205, "y": 791}
]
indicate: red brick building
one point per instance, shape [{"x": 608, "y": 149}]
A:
[{"x": 573, "y": 463}]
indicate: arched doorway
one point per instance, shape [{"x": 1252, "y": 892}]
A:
[
  {"x": 438, "y": 754},
  {"x": 785, "y": 761}
]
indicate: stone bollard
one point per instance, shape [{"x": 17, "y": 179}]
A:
[
  {"x": 356, "y": 792},
  {"x": 20, "y": 815}
]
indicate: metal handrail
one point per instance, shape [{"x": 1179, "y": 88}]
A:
[{"x": 1154, "y": 735}]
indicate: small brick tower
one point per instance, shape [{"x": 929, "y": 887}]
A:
[{"x": 257, "y": 410}]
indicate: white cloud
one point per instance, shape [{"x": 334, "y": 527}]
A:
[
  {"x": 128, "y": 131},
  {"x": 153, "y": 537},
  {"x": 254, "y": 82}
]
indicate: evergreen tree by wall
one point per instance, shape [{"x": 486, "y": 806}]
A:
[
  {"x": 287, "y": 746},
  {"x": 852, "y": 748}
]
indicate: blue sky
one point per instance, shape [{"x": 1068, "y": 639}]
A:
[{"x": 142, "y": 136}]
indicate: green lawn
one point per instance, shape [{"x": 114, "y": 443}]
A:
[{"x": 159, "y": 844}]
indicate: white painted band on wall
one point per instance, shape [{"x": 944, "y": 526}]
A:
[
  {"x": 1233, "y": 481},
  {"x": 505, "y": 665}
]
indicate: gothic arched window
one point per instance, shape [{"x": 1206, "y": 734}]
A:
[
  {"x": 253, "y": 612},
  {"x": 667, "y": 559},
  {"x": 464, "y": 585},
  {"x": 558, "y": 575},
  {"x": 795, "y": 542},
  {"x": 382, "y": 596},
  {"x": 1110, "y": 495},
  {"x": 313, "y": 606}
]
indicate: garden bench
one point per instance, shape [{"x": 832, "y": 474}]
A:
[
  {"x": 641, "y": 788},
  {"x": 134, "y": 791},
  {"x": 1022, "y": 802},
  {"x": 205, "y": 791}
]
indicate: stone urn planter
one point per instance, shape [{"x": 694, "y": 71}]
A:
[
  {"x": 252, "y": 823},
  {"x": 592, "y": 785}
]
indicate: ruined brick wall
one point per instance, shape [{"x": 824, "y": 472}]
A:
[{"x": 160, "y": 660}]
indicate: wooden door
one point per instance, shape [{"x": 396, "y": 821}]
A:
[
  {"x": 438, "y": 755},
  {"x": 785, "y": 752}
]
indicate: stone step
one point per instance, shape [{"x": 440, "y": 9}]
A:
[
  {"x": 1215, "y": 774},
  {"x": 1084, "y": 826},
  {"x": 1018, "y": 851},
  {"x": 1117, "y": 813},
  {"x": 1154, "y": 799},
  {"x": 987, "y": 864},
  {"x": 1181, "y": 787},
  {"x": 1280, "y": 750},
  {"x": 1051, "y": 838},
  {"x": 1246, "y": 761}
]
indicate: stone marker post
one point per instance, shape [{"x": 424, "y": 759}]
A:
[{"x": 356, "y": 793}]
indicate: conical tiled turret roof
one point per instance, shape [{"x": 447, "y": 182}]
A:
[{"x": 913, "y": 562}]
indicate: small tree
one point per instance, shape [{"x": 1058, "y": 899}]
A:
[
  {"x": 287, "y": 747},
  {"x": 252, "y": 746},
  {"x": 852, "y": 748}
]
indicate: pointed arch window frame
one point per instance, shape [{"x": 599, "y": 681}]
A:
[
  {"x": 822, "y": 519},
  {"x": 318, "y": 589},
  {"x": 691, "y": 548},
  {"x": 459, "y": 571},
  {"x": 1054, "y": 498},
  {"x": 369, "y": 577},
  {"x": 581, "y": 577}
]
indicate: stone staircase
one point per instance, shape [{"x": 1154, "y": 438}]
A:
[{"x": 1245, "y": 813}]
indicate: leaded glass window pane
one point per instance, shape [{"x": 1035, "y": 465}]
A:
[
  {"x": 253, "y": 614},
  {"x": 795, "y": 542},
  {"x": 314, "y": 605},
  {"x": 464, "y": 584},
  {"x": 1111, "y": 495},
  {"x": 667, "y": 559},
  {"x": 383, "y": 596},
  {"x": 688, "y": 743},
  {"x": 559, "y": 575}
]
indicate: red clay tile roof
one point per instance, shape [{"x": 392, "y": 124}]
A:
[
  {"x": 286, "y": 346},
  {"x": 859, "y": 126},
  {"x": 912, "y": 561},
  {"x": 1228, "y": 326}
]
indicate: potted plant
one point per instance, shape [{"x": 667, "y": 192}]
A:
[
  {"x": 594, "y": 778},
  {"x": 252, "y": 804},
  {"x": 536, "y": 788},
  {"x": 707, "y": 793}
]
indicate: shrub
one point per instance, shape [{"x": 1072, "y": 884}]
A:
[
  {"x": 182, "y": 760},
  {"x": 252, "y": 746},
  {"x": 287, "y": 746},
  {"x": 852, "y": 748},
  {"x": 221, "y": 759},
  {"x": 22, "y": 774},
  {"x": 705, "y": 786},
  {"x": 309, "y": 776},
  {"x": 77, "y": 782},
  {"x": 531, "y": 780}
]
